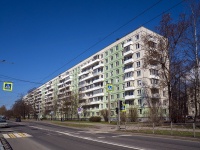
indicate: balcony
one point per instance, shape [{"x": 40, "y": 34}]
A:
[
  {"x": 129, "y": 88},
  {"x": 98, "y": 94},
  {"x": 98, "y": 66},
  {"x": 128, "y": 61},
  {"x": 157, "y": 95},
  {"x": 82, "y": 73},
  {"x": 128, "y": 52},
  {"x": 128, "y": 70},
  {"x": 98, "y": 80},
  {"x": 129, "y": 79},
  {"x": 154, "y": 76},
  {"x": 95, "y": 102},
  {"x": 97, "y": 73},
  {"x": 90, "y": 63},
  {"x": 129, "y": 97},
  {"x": 128, "y": 43},
  {"x": 69, "y": 79}
]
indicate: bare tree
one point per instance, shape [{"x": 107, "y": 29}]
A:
[
  {"x": 71, "y": 103},
  {"x": 164, "y": 51},
  {"x": 3, "y": 110},
  {"x": 193, "y": 53}
]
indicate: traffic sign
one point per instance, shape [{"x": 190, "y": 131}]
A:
[
  {"x": 7, "y": 86},
  {"x": 79, "y": 109},
  {"x": 109, "y": 87}
]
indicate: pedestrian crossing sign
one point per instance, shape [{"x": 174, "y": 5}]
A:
[
  {"x": 7, "y": 86},
  {"x": 109, "y": 87}
]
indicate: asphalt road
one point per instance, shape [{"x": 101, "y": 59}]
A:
[{"x": 43, "y": 136}]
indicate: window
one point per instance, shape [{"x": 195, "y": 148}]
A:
[
  {"x": 139, "y": 82},
  {"x": 106, "y": 60},
  {"x": 117, "y": 63},
  {"x": 111, "y": 50},
  {"x": 140, "y": 111},
  {"x": 118, "y": 88},
  {"x": 106, "y": 53},
  {"x": 106, "y": 75},
  {"x": 138, "y": 55},
  {"x": 129, "y": 40},
  {"x": 117, "y": 55},
  {"x": 111, "y": 58},
  {"x": 139, "y": 92},
  {"x": 117, "y": 80},
  {"x": 111, "y": 65},
  {"x": 138, "y": 64},
  {"x": 128, "y": 84},
  {"x": 137, "y": 45},
  {"x": 111, "y": 81},
  {"x": 112, "y": 96},
  {"x": 106, "y": 67},
  {"x": 154, "y": 81},
  {"x": 137, "y": 37},
  {"x": 129, "y": 93},
  {"x": 111, "y": 73},
  {"x": 118, "y": 96},
  {"x": 139, "y": 102},
  {"x": 117, "y": 71},
  {"x": 128, "y": 75},
  {"x": 138, "y": 73},
  {"x": 117, "y": 47},
  {"x": 153, "y": 72},
  {"x": 122, "y": 44}
]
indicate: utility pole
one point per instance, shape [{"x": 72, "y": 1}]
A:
[
  {"x": 109, "y": 107},
  {"x": 109, "y": 88},
  {"x": 119, "y": 110}
]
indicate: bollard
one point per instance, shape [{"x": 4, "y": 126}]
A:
[
  {"x": 194, "y": 134},
  {"x": 153, "y": 128},
  {"x": 171, "y": 128}
]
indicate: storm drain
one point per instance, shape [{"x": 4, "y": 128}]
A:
[{"x": 4, "y": 145}]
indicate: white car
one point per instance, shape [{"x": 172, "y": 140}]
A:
[{"x": 3, "y": 122}]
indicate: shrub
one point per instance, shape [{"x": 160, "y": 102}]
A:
[
  {"x": 95, "y": 119},
  {"x": 104, "y": 113}
]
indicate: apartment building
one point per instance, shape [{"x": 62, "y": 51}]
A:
[{"x": 119, "y": 64}]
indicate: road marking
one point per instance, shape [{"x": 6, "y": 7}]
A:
[
  {"x": 16, "y": 135},
  {"x": 101, "y": 137},
  {"x": 94, "y": 140},
  {"x": 121, "y": 135}
]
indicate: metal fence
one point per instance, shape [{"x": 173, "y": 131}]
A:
[{"x": 173, "y": 129}]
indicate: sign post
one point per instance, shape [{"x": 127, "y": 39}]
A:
[{"x": 8, "y": 86}]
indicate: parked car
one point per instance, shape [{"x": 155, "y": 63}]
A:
[
  {"x": 190, "y": 117},
  {"x": 3, "y": 122},
  {"x": 18, "y": 119}
]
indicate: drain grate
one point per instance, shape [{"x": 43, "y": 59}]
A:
[{"x": 5, "y": 144}]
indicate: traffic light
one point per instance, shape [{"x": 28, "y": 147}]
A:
[
  {"x": 120, "y": 105},
  {"x": 116, "y": 110}
]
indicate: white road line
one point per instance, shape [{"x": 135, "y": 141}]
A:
[
  {"x": 94, "y": 140},
  {"x": 121, "y": 135},
  {"x": 17, "y": 135},
  {"x": 101, "y": 137},
  {"x": 27, "y": 135},
  {"x": 6, "y": 136}
]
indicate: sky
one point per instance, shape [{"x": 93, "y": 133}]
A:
[{"x": 40, "y": 39}]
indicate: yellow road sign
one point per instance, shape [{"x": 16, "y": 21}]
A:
[{"x": 7, "y": 86}]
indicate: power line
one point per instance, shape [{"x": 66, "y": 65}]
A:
[
  {"x": 21, "y": 80},
  {"x": 103, "y": 39}
]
